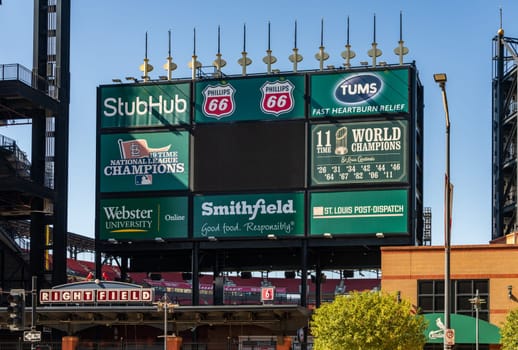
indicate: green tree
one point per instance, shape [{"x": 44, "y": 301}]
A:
[
  {"x": 368, "y": 321},
  {"x": 509, "y": 331}
]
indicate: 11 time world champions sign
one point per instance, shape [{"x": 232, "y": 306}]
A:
[{"x": 359, "y": 152}]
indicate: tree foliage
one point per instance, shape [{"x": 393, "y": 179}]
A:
[
  {"x": 368, "y": 321},
  {"x": 509, "y": 331}
]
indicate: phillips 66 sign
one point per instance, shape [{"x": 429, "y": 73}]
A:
[{"x": 258, "y": 98}]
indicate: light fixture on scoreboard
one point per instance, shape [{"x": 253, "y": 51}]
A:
[
  {"x": 269, "y": 59},
  {"x": 113, "y": 241},
  {"x": 146, "y": 67},
  {"x": 194, "y": 63},
  {"x": 401, "y": 50},
  {"x": 219, "y": 62},
  {"x": 169, "y": 66},
  {"x": 244, "y": 61},
  {"x": 321, "y": 55},
  {"x": 295, "y": 58},
  {"x": 133, "y": 79},
  {"x": 374, "y": 52},
  {"x": 348, "y": 54}
]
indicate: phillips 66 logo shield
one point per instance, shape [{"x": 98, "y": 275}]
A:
[
  {"x": 277, "y": 97},
  {"x": 218, "y": 101}
]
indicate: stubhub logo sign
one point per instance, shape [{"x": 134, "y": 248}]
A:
[{"x": 358, "y": 88}]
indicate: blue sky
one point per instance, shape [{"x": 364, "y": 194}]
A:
[{"x": 107, "y": 41}]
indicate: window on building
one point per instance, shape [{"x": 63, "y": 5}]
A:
[
  {"x": 466, "y": 290},
  {"x": 430, "y": 297}
]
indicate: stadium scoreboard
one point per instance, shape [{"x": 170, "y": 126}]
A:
[{"x": 297, "y": 154}]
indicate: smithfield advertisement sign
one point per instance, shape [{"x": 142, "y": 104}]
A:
[
  {"x": 143, "y": 218},
  {"x": 144, "y": 161},
  {"x": 359, "y": 93},
  {"x": 265, "y": 98},
  {"x": 258, "y": 215},
  {"x": 140, "y": 106},
  {"x": 359, "y": 212},
  {"x": 359, "y": 152}
]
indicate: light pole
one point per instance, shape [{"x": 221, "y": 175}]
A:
[
  {"x": 440, "y": 78},
  {"x": 165, "y": 305},
  {"x": 476, "y": 302}
]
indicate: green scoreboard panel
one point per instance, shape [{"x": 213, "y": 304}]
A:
[
  {"x": 253, "y": 98},
  {"x": 364, "y": 93},
  {"x": 144, "y": 161},
  {"x": 143, "y": 218},
  {"x": 141, "y": 106},
  {"x": 359, "y": 152},
  {"x": 359, "y": 212},
  {"x": 249, "y": 215}
]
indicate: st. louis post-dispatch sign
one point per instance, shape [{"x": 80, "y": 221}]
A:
[
  {"x": 359, "y": 152},
  {"x": 359, "y": 212},
  {"x": 262, "y": 98},
  {"x": 253, "y": 215},
  {"x": 359, "y": 93},
  {"x": 143, "y": 218},
  {"x": 138, "y": 106},
  {"x": 144, "y": 161}
]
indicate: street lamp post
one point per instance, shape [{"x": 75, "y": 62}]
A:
[
  {"x": 476, "y": 302},
  {"x": 440, "y": 78},
  {"x": 166, "y": 306}
]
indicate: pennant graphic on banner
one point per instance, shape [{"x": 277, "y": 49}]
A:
[{"x": 138, "y": 149}]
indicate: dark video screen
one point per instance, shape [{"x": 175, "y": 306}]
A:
[{"x": 249, "y": 156}]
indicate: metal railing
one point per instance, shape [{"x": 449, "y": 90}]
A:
[
  {"x": 123, "y": 344},
  {"x": 85, "y": 344},
  {"x": 21, "y": 161},
  {"x": 15, "y": 71}
]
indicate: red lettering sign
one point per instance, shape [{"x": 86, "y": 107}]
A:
[{"x": 49, "y": 296}]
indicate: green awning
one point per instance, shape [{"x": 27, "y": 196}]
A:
[{"x": 465, "y": 329}]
